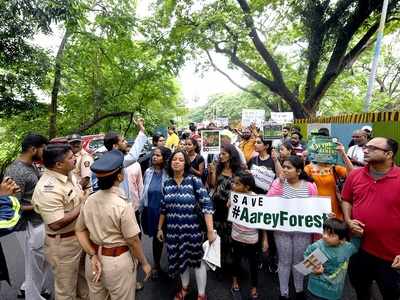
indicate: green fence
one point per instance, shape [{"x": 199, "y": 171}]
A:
[{"x": 385, "y": 124}]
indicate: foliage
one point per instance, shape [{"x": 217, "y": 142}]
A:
[
  {"x": 23, "y": 66},
  {"x": 296, "y": 49},
  {"x": 109, "y": 76}
]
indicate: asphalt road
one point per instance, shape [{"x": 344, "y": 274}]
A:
[{"x": 218, "y": 287}]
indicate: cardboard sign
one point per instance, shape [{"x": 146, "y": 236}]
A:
[
  {"x": 322, "y": 149},
  {"x": 277, "y": 213},
  {"x": 210, "y": 141},
  {"x": 282, "y": 117},
  {"x": 263, "y": 176},
  {"x": 253, "y": 115},
  {"x": 222, "y": 121},
  {"x": 272, "y": 130},
  {"x": 315, "y": 259}
]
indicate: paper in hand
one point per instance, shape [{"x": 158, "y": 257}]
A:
[
  {"x": 314, "y": 259},
  {"x": 212, "y": 253}
]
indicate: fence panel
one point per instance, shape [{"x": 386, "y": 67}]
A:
[{"x": 388, "y": 129}]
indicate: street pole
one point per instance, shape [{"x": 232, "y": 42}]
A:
[
  {"x": 376, "y": 56},
  {"x": 375, "y": 59}
]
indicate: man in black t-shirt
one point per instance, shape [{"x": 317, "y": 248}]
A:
[{"x": 30, "y": 229}]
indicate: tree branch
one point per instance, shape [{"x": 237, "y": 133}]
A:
[
  {"x": 252, "y": 92},
  {"x": 56, "y": 86},
  {"x": 95, "y": 120},
  {"x": 313, "y": 20},
  {"x": 258, "y": 44},
  {"x": 339, "y": 59}
]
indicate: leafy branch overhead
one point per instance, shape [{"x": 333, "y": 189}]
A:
[{"x": 295, "y": 49}]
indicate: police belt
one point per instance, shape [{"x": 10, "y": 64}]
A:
[
  {"x": 114, "y": 251},
  {"x": 62, "y": 235}
]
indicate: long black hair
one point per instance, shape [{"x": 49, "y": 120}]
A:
[
  {"x": 288, "y": 145},
  {"x": 267, "y": 143},
  {"x": 165, "y": 153},
  {"x": 187, "y": 163},
  {"x": 196, "y": 145},
  {"x": 234, "y": 159},
  {"x": 298, "y": 163}
]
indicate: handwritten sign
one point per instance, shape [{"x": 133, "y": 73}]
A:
[
  {"x": 263, "y": 176},
  {"x": 253, "y": 115},
  {"x": 282, "y": 117}
]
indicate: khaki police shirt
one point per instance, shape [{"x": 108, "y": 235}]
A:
[
  {"x": 109, "y": 219},
  {"x": 83, "y": 163},
  {"x": 56, "y": 194}
]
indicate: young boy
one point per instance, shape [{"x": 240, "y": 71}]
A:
[{"x": 327, "y": 281}]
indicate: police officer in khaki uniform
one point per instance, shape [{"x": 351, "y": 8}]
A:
[
  {"x": 108, "y": 232},
  {"x": 83, "y": 161},
  {"x": 58, "y": 198}
]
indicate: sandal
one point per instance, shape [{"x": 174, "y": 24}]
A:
[
  {"x": 235, "y": 290},
  {"x": 204, "y": 297},
  {"x": 181, "y": 294},
  {"x": 254, "y": 296}
]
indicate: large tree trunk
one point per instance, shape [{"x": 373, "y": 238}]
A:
[
  {"x": 342, "y": 54},
  {"x": 56, "y": 87}
]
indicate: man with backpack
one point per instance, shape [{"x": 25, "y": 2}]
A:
[{"x": 30, "y": 229}]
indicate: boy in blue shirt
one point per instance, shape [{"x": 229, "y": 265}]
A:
[{"x": 327, "y": 280}]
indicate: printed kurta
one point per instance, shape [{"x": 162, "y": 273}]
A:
[{"x": 183, "y": 235}]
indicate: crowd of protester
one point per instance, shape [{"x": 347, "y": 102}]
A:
[{"x": 81, "y": 220}]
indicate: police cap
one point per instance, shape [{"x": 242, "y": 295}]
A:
[
  {"x": 109, "y": 163},
  {"x": 74, "y": 138}
]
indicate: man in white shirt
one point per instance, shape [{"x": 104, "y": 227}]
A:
[{"x": 356, "y": 152}]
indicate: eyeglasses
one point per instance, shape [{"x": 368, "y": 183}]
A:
[{"x": 374, "y": 148}]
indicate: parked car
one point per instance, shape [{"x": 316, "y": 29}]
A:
[{"x": 90, "y": 143}]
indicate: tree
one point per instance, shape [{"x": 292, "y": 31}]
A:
[
  {"x": 296, "y": 49},
  {"x": 347, "y": 94},
  {"x": 24, "y": 66}
]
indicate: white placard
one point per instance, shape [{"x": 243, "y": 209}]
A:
[
  {"x": 263, "y": 176},
  {"x": 315, "y": 259},
  {"x": 222, "y": 121},
  {"x": 253, "y": 115},
  {"x": 277, "y": 213},
  {"x": 282, "y": 117}
]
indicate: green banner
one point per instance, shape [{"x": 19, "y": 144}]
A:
[{"x": 322, "y": 149}]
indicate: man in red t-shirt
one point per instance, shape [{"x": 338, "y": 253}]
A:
[{"x": 371, "y": 208}]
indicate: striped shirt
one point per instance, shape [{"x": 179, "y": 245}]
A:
[
  {"x": 290, "y": 192},
  {"x": 244, "y": 234}
]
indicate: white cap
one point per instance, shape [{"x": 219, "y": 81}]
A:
[{"x": 367, "y": 128}]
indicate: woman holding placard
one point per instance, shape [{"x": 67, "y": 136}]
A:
[
  {"x": 294, "y": 183},
  {"x": 264, "y": 166},
  {"x": 329, "y": 179},
  {"x": 220, "y": 178}
]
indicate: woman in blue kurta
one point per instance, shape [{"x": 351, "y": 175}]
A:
[
  {"x": 154, "y": 179},
  {"x": 184, "y": 237}
]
